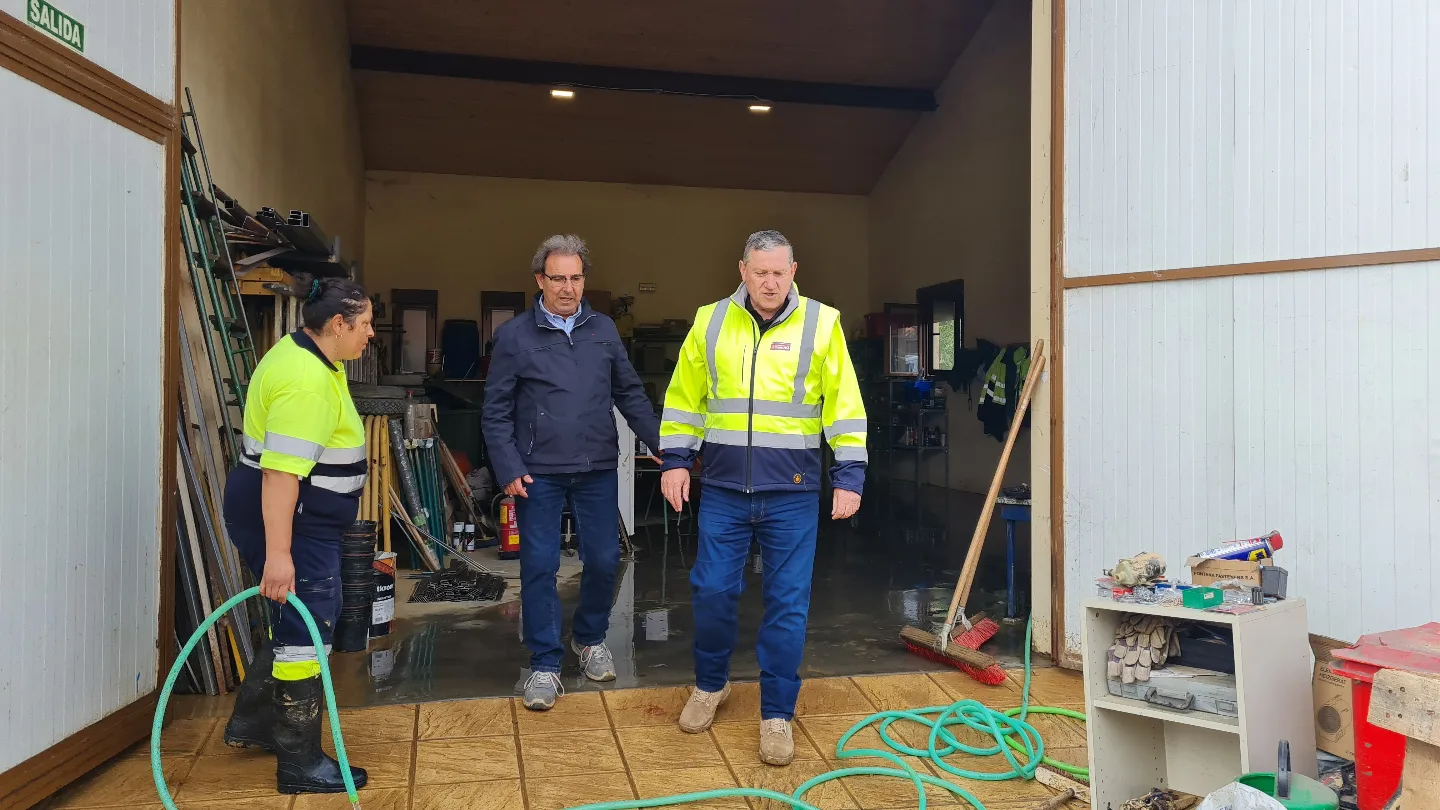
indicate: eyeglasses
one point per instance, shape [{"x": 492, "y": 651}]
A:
[{"x": 561, "y": 281}]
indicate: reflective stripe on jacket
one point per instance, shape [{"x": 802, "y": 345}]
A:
[
  {"x": 758, "y": 404},
  {"x": 299, "y": 419}
]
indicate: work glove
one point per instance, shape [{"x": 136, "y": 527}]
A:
[{"x": 1142, "y": 643}]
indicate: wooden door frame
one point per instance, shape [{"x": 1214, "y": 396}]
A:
[{"x": 35, "y": 57}]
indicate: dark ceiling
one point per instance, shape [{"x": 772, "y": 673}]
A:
[{"x": 462, "y": 87}]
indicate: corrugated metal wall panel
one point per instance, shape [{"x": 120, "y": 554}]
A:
[
  {"x": 134, "y": 39},
  {"x": 1248, "y": 130},
  {"x": 81, "y": 258},
  {"x": 1210, "y": 410}
]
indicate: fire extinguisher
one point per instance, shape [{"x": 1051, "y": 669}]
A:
[{"x": 509, "y": 530}]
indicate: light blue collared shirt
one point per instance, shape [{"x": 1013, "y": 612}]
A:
[{"x": 563, "y": 324}]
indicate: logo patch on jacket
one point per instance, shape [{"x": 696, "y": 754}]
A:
[
  {"x": 798, "y": 477},
  {"x": 778, "y": 346}
]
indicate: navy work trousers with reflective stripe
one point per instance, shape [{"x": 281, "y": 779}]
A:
[
  {"x": 594, "y": 500},
  {"x": 785, "y": 524},
  {"x": 316, "y": 558}
]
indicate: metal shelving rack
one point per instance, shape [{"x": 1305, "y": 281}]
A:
[{"x": 923, "y": 418}]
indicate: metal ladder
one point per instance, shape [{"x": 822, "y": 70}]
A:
[{"x": 228, "y": 341}]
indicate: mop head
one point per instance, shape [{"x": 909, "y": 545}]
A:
[{"x": 990, "y": 676}]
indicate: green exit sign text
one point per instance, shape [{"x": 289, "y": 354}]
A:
[{"x": 57, "y": 24}]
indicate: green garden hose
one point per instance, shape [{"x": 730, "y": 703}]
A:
[
  {"x": 1009, "y": 729},
  {"x": 179, "y": 665}
]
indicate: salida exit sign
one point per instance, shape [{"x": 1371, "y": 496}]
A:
[{"x": 56, "y": 23}]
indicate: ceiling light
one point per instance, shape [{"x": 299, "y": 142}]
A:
[
  {"x": 759, "y": 108},
  {"x": 561, "y": 93}
]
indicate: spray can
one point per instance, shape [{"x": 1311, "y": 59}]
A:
[
  {"x": 1258, "y": 548},
  {"x": 469, "y": 536}
]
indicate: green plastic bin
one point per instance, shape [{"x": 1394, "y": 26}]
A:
[{"x": 1303, "y": 793}]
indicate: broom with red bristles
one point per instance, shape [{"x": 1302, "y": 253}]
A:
[{"x": 980, "y": 629}]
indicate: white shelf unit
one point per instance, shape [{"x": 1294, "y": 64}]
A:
[{"x": 1136, "y": 746}]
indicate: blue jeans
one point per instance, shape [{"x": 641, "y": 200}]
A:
[
  {"x": 785, "y": 524},
  {"x": 593, "y": 498}
]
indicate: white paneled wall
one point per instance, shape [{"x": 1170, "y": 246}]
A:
[
  {"x": 1203, "y": 411},
  {"x": 1229, "y": 131},
  {"x": 81, "y": 267},
  {"x": 134, "y": 39}
]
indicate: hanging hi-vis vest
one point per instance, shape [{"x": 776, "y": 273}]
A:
[
  {"x": 757, "y": 404},
  {"x": 299, "y": 419}
]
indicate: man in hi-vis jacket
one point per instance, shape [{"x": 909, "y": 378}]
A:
[{"x": 764, "y": 376}]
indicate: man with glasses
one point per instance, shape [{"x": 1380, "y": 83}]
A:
[{"x": 555, "y": 374}]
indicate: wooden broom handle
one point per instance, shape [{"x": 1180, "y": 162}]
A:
[{"x": 977, "y": 541}]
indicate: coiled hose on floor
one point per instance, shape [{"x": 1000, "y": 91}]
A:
[{"x": 1009, "y": 729}]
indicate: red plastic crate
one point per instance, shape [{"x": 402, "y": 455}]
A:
[{"x": 1380, "y": 753}]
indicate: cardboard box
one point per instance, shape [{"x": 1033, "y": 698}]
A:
[
  {"x": 1334, "y": 712},
  {"x": 1208, "y": 572}
]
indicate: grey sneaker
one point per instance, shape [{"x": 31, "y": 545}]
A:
[
  {"x": 597, "y": 661},
  {"x": 541, "y": 691}
]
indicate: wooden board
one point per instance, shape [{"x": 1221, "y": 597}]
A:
[
  {"x": 1059, "y": 781},
  {"x": 1420, "y": 786},
  {"x": 1406, "y": 703}
]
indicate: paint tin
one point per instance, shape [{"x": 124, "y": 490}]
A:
[{"x": 383, "y": 611}]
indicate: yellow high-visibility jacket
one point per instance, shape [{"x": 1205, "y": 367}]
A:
[
  {"x": 758, "y": 403},
  {"x": 299, "y": 419}
]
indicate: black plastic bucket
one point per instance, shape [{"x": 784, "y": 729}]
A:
[{"x": 351, "y": 635}]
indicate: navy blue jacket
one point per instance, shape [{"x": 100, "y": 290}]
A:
[{"x": 548, "y": 396}]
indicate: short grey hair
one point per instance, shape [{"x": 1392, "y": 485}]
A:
[
  {"x": 561, "y": 244},
  {"x": 766, "y": 240}
]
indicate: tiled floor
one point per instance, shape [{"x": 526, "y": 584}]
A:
[
  {"x": 594, "y": 746},
  {"x": 895, "y": 565}
]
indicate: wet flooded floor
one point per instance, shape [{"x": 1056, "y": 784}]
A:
[{"x": 895, "y": 565}]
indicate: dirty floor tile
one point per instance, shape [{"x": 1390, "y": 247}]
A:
[
  {"x": 370, "y": 799},
  {"x": 478, "y": 759},
  {"x": 646, "y": 707},
  {"x": 499, "y": 795},
  {"x": 654, "y": 784},
  {"x": 658, "y": 748},
  {"x": 829, "y": 796},
  {"x": 892, "y": 692},
  {"x": 743, "y": 704},
  {"x": 466, "y": 718},
  {"x": 570, "y": 754},
  {"x": 582, "y": 711},
  {"x": 830, "y": 696},
  {"x": 740, "y": 742},
  {"x": 126, "y": 782},
  {"x": 568, "y": 791},
  {"x": 1052, "y": 686}
]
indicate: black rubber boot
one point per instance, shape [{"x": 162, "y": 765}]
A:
[
  {"x": 252, "y": 723},
  {"x": 301, "y": 766}
]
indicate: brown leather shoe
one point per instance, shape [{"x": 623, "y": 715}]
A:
[
  {"x": 700, "y": 710},
  {"x": 777, "y": 744}
]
